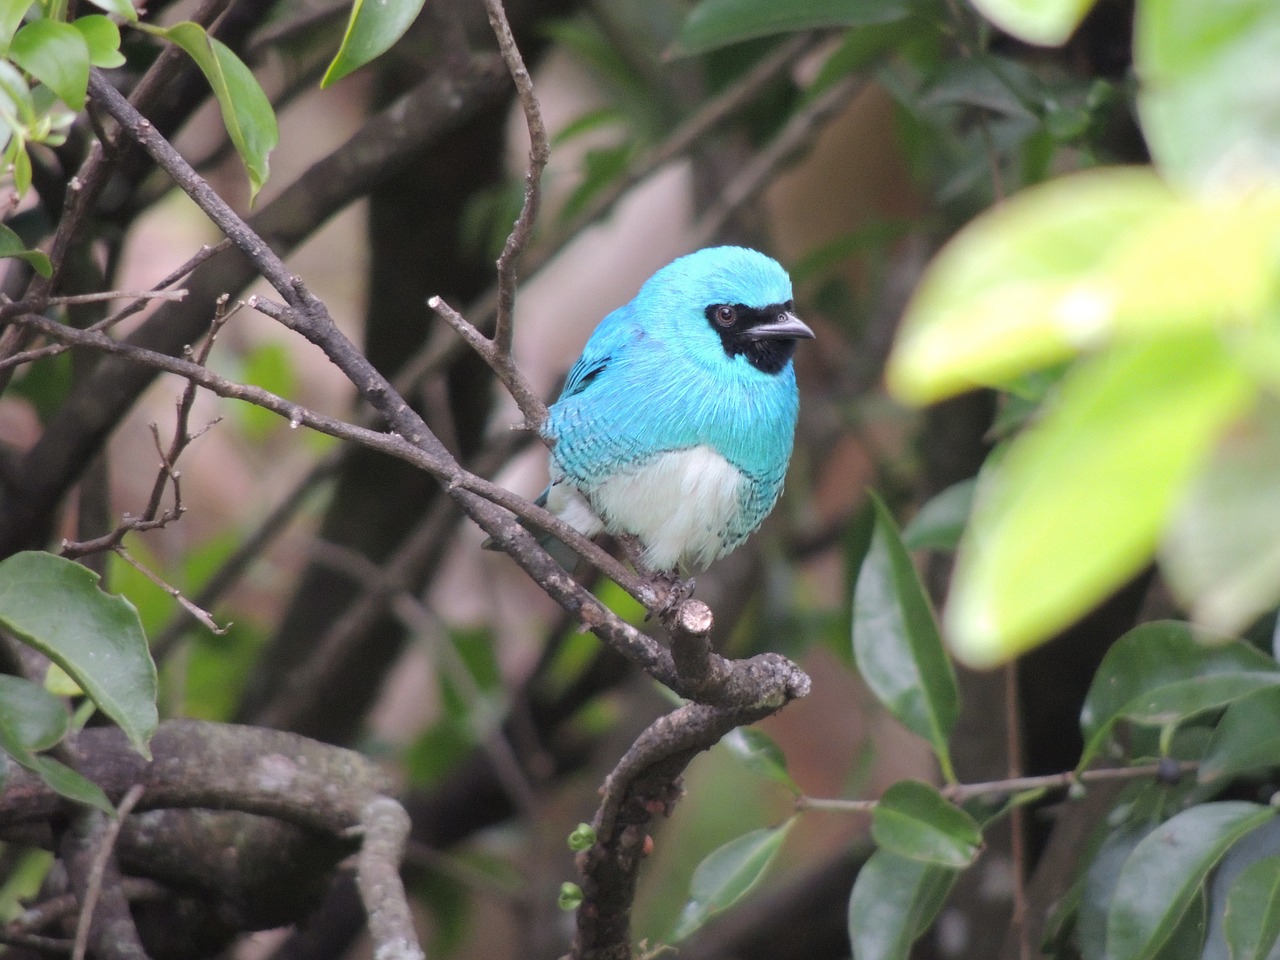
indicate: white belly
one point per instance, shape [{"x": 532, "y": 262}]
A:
[{"x": 680, "y": 504}]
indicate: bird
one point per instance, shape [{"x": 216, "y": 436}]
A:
[{"x": 674, "y": 428}]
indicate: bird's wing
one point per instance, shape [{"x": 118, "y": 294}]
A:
[
  {"x": 608, "y": 414},
  {"x": 614, "y": 333}
]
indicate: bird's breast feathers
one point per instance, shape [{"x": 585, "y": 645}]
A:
[{"x": 689, "y": 507}]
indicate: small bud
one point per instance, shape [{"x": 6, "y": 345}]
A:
[
  {"x": 570, "y": 896},
  {"x": 582, "y": 838}
]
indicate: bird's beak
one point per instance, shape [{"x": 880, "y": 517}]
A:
[{"x": 787, "y": 327}]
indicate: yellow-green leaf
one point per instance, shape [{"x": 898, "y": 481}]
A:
[
  {"x": 1044, "y": 22},
  {"x": 1079, "y": 502}
]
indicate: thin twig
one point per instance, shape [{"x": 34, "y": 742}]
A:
[
  {"x": 203, "y": 616},
  {"x": 1017, "y": 816},
  {"x": 960, "y": 792},
  {"x": 539, "y": 151},
  {"x": 106, "y": 295},
  {"x": 526, "y": 398},
  {"x": 153, "y": 516},
  {"x": 102, "y": 856}
]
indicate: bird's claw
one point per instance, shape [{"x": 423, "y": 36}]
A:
[{"x": 671, "y": 592}]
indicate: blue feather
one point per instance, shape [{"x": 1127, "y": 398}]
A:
[{"x": 676, "y": 426}]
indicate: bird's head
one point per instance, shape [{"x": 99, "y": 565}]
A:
[{"x": 726, "y": 301}]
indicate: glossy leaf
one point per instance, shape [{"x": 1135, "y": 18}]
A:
[
  {"x": 894, "y": 900},
  {"x": 1247, "y": 738},
  {"x": 372, "y": 29},
  {"x": 1164, "y": 671},
  {"x": 896, "y": 643},
  {"x": 940, "y": 522},
  {"x": 1221, "y": 555},
  {"x": 727, "y": 874},
  {"x": 1099, "y": 886},
  {"x": 246, "y": 111},
  {"x": 1252, "y": 918},
  {"x": 1079, "y": 502},
  {"x": 121, "y": 8},
  {"x": 717, "y": 23},
  {"x": 761, "y": 755},
  {"x": 914, "y": 820},
  {"x": 1044, "y": 22},
  {"x": 1165, "y": 872},
  {"x": 103, "y": 38},
  {"x": 1209, "y": 115},
  {"x": 57, "y": 55},
  {"x": 55, "y": 606},
  {"x": 11, "y": 245}
]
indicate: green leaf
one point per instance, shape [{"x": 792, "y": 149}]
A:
[
  {"x": 1252, "y": 919},
  {"x": 55, "y": 606},
  {"x": 1100, "y": 879},
  {"x": 17, "y": 159},
  {"x": 940, "y": 522},
  {"x": 894, "y": 901},
  {"x": 1164, "y": 874},
  {"x": 11, "y": 245},
  {"x": 103, "y": 38},
  {"x": 1079, "y": 502},
  {"x": 1221, "y": 555},
  {"x": 1209, "y": 115},
  {"x": 372, "y": 29},
  {"x": 57, "y": 55},
  {"x": 896, "y": 643},
  {"x": 1163, "y": 672},
  {"x": 1247, "y": 738},
  {"x": 11, "y": 14},
  {"x": 1044, "y": 22},
  {"x": 31, "y": 718},
  {"x": 757, "y": 750},
  {"x": 727, "y": 874},
  {"x": 121, "y": 8},
  {"x": 66, "y": 782},
  {"x": 914, "y": 820},
  {"x": 16, "y": 106},
  {"x": 246, "y": 111},
  {"x": 718, "y": 23}
]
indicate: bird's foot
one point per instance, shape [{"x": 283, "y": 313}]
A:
[{"x": 672, "y": 591}]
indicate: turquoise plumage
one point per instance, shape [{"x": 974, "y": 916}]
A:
[{"x": 676, "y": 424}]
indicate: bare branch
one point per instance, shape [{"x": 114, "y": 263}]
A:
[
  {"x": 539, "y": 151},
  {"x": 646, "y": 782},
  {"x": 385, "y": 827}
]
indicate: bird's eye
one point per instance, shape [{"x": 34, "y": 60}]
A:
[{"x": 726, "y": 315}]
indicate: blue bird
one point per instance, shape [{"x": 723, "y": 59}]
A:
[{"x": 675, "y": 426}]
